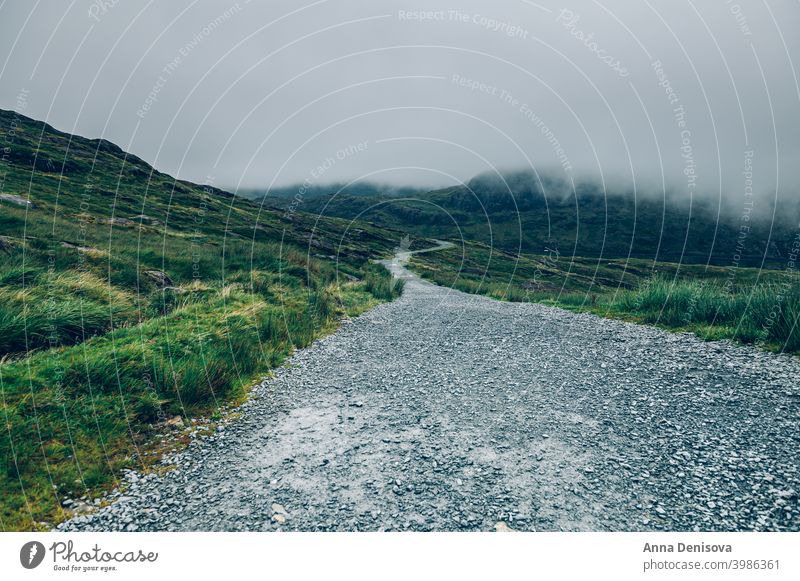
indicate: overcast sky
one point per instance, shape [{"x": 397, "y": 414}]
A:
[{"x": 248, "y": 94}]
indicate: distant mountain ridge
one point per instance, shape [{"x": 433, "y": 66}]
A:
[{"x": 517, "y": 212}]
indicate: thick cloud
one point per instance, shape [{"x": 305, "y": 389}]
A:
[{"x": 250, "y": 94}]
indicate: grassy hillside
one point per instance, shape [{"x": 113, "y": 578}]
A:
[
  {"x": 522, "y": 214},
  {"x": 132, "y": 303}
]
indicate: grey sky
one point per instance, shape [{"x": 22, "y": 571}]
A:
[{"x": 253, "y": 93}]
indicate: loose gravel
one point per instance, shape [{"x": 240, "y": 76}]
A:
[{"x": 445, "y": 411}]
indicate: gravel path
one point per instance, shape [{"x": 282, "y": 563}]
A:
[{"x": 444, "y": 411}]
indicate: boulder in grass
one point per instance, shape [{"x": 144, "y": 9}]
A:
[
  {"x": 145, "y": 219},
  {"x": 118, "y": 221},
  {"x": 159, "y": 277},
  {"x": 7, "y": 243},
  {"x": 16, "y": 200},
  {"x": 175, "y": 423}
]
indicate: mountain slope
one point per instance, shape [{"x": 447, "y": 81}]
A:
[{"x": 132, "y": 303}]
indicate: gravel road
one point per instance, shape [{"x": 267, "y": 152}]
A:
[{"x": 444, "y": 411}]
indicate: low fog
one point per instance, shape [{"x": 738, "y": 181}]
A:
[{"x": 649, "y": 98}]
